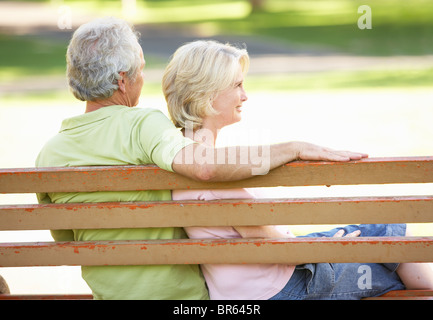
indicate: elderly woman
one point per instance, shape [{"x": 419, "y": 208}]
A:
[
  {"x": 104, "y": 68},
  {"x": 203, "y": 86}
]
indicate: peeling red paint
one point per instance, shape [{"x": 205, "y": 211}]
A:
[{"x": 105, "y": 178}]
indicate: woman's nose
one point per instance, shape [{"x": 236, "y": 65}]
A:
[{"x": 244, "y": 96}]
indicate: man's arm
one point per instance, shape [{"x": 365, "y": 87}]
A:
[{"x": 203, "y": 163}]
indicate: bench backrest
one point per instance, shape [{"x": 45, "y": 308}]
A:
[{"x": 395, "y": 209}]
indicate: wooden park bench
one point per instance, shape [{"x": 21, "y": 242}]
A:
[{"x": 315, "y": 211}]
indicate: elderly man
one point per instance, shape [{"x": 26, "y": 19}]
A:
[{"x": 104, "y": 67}]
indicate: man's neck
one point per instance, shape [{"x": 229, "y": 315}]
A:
[{"x": 115, "y": 99}]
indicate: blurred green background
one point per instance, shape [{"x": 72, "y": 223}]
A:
[
  {"x": 402, "y": 28},
  {"x": 315, "y": 76}
]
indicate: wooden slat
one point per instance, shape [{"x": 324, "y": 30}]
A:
[
  {"x": 217, "y": 213},
  {"x": 409, "y": 293},
  {"x": 400, "y": 298},
  {"x": 304, "y": 173},
  {"x": 46, "y": 297},
  {"x": 405, "y": 295},
  {"x": 186, "y": 251}
]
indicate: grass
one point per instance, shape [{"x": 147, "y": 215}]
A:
[
  {"x": 399, "y": 28},
  {"x": 24, "y": 56},
  {"x": 369, "y": 79}
]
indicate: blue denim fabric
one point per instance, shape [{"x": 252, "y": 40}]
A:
[{"x": 345, "y": 281}]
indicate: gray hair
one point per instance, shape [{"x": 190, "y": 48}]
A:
[{"x": 97, "y": 52}]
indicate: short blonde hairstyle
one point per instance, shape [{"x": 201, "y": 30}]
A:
[{"x": 196, "y": 73}]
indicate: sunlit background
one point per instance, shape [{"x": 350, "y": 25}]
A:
[{"x": 322, "y": 71}]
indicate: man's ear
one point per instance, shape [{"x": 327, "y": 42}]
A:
[{"x": 121, "y": 82}]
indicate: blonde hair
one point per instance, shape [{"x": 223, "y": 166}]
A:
[{"x": 196, "y": 73}]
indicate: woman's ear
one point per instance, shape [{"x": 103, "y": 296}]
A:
[{"x": 121, "y": 82}]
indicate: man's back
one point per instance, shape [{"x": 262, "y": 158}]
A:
[{"x": 119, "y": 135}]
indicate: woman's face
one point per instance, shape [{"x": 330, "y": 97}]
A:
[{"x": 228, "y": 103}]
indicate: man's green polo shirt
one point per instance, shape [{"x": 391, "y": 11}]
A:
[{"x": 119, "y": 135}]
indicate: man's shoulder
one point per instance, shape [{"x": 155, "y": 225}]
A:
[
  {"x": 152, "y": 116},
  {"x": 144, "y": 111}
]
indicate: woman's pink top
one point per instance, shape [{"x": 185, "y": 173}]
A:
[{"x": 235, "y": 281}]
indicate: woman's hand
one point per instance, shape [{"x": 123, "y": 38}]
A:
[
  {"x": 308, "y": 151},
  {"x": 339, "y": 234}
]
